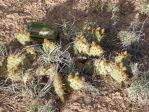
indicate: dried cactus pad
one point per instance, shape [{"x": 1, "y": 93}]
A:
[
  {"x": 58, "y": 86},
  {"x": 23, "y": 38},
  {"x": 117, "y": 71},
  {"x": 76, "y": 82}
]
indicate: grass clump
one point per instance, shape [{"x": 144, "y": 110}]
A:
[
  {"x": 139, "y": 88},
  {"x": 128, "y": 38},
  {"x": 144, "y": 7}
]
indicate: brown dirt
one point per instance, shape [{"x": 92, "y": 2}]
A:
[{"x": 16, "y": 15}]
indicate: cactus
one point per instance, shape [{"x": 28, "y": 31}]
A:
[
  {"x": 45, "y": 71},
  {"x": 27, "y": 76},
  {"x": 100, "y": 33},
  {"x": 23, "y": 38},
  {"x": 92, "y": 32},
  {"x": 58, "y": 86},
  {"x": 101, "y": 67},
  {"x": 95, "y": 50},
  {"x": 124, "y": 57},
  {"x": 76, "y": 82},
  {"x": 14, "y": 74},
  {"x": 15, "y": 63},
  {"x": 31, "y": 53},
  {"x": 82, "y": 46},
  {"x": 117, "y": 71},
  {"x": 48, "y": 46}
]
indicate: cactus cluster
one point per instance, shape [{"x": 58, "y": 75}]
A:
[
  {"x": 93, "y": 32},
  {"x": 48, "y": 60},
  {"x": 82, "y": 46},
  {"x": 117, "y": 71},
  {"x": 88, "y": 41}
]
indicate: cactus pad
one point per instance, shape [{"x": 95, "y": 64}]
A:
[
  {"x": 45, "y": 71},
  {"x": 76, "y": 82},
  {"x": 124, "y": 57},
  {"x": 58, "y": 86},
  {"x": 48, "y": 46},
  {"x": 95, "y": 50},
  {"x": 81, "y": 45},
  {"x": 117, "y": 71},
  {"x": 23, "y": 38}
]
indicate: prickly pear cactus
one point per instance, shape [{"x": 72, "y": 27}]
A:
[
  {"x": 101, "y": 67},
  {"x": 93, "y": 32},
  {"x": 117, "y": 71},
  {"x": 31, "y": 53},
  {"x": 58, "y": 86},
  {"x": 100, "y": 33},
  {"x": 23, "y": 38},
  {"x": 76, "y": 82},
  {"x": 81, "y": 45},
  {"x": 120, "y": 74},
  {"x": 48, "y": 46},
  {"x": 15, "y": 63},
  {"x": 95, "y": 50},
  {"x": 45, "y": 71},
  {"x": 27, "y": 76},
  {"x": 124, "y": 57},
  {"x": 14, "y": 74}
]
